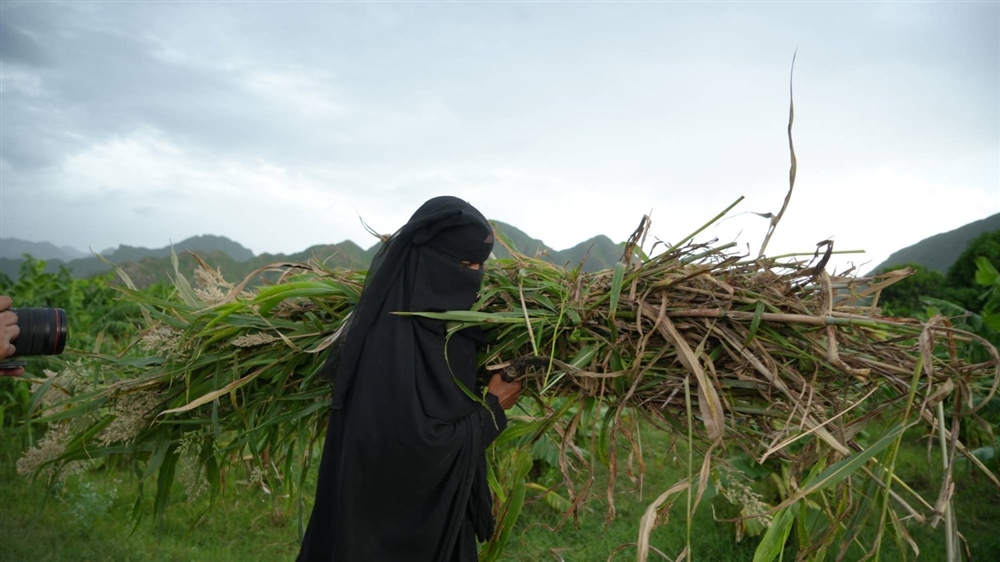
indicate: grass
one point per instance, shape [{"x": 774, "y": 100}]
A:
[
  {"x": 976, "y": 500},
  {"x": 88, "y": 518}
]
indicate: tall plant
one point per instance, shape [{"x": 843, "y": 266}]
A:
[{"x": 777, "y": 359}]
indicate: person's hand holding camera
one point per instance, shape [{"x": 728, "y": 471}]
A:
[{"x": 8, "y": 333}]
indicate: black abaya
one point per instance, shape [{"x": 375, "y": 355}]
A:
[{"x": 403, "y": 474}]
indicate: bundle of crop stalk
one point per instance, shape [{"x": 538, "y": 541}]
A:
[
  {"x": 786, "y": 349},
  {"x": 778, "y": 359}
]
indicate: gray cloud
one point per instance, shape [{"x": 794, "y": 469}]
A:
[
  {"x": 17, "y": 46},
  {"x": 344, "y": 102}
]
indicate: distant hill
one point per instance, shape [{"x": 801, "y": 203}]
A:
[
  {"x": 345, "y": 254},
  {"x": 15, "y": 248},
  {"x": 147, "y": 266},
  {"x": 205, "y": 244},
  {"x": 150, "y": 270},
  {"x": 87, "y": 265},
  {"x": 520, "y": 241},
  {"x": 938, "y": 252},
  {"x": 595, "y": 254}
]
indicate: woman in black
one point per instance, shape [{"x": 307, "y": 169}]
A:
[{"x": 403, "y": 474}]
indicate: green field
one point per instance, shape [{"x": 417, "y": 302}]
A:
[
  {"x": 89, "y": 517},
  {"x": 93, "y": 515}
]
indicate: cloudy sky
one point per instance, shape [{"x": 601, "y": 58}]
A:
[{"x": 279, "y": 124}]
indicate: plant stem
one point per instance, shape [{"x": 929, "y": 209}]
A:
[
  {"x": 690, "y": 423},
  {"x": 951, "y": 554}
]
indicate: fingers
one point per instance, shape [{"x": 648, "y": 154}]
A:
[
  {"x": 8, "y": 320},
  {"x": 12, "y": 372},
  {"x": 507, "y": 393},
  {"x": 7, "y": 349},
  {"x": 513, "y": 396},
  {"x": 511, "y": 400},
  {"x": 8, "y": 332}
]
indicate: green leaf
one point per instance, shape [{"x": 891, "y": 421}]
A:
[
  {"x": 992, "y": 320},
  {"x": 773, "y": 542},
  {"x": 183, "y": 287},
  {"x": 617, "y": 278},
  {"x": 758, "y": 314},
  {"x": 535, "y": 428},
  {"x": 159, "y": 455},
  {"x": 511, "y": 510},
  {"x": 206, "y": 398},
  {"x": 986, "y": 274},
  {"x": 841, "y": 470},
  {"x": 472, "y": 317},
  {"x": 164, "y": 481},
  {"x": 583, "y": 357}
]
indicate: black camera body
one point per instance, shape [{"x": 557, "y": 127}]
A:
[{"x": 42, "y": 331}]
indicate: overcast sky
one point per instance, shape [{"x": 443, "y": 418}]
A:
[{"x": 278, "y": 124}]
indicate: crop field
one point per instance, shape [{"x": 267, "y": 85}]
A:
[
  {"x": 90, "y": 517},
  {"x": 677, "y": 408}
]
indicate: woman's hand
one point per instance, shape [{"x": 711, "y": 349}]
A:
[
  {"x": 8, "y": 333},
  {"x": 506, "y": 392}
]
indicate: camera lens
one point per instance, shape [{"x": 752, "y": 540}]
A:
[{"x": 42, "y": 331}]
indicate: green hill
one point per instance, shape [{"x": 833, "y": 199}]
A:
[
  {"x": 151, "y": 270},
  {"x": 345, "y": 254},
  {"x": 595, "y": 254},
  {"x": 147, "y": 266},
  {"x": 15, "y": 248},
  {"x": 204, "y": 244},
  {"x": 940, "y": 251},
  {"x": 519, "y": 241}
]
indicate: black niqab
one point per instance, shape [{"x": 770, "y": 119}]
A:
[{"x": 403, "y": 471}]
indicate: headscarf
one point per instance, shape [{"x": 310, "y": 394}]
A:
[
  {"x": 421, "y": 263},
  {"x": 403, "y": 469}
]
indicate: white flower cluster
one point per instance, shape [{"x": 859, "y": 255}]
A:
[
  {"x": 163, "y": 340},
  {"x": 132, "y": 412},
  {"x": 57, "y": 387},
  {"x": 738, "y": 493},
  {"x": 258, "y": 477},
  {"x": 253, "y": 340},
  {"x": 49, "y": 448},
  {"x": 210, "y": 285},
  {"x": 55, "y": 393},
  {"x": 78, "y": 378},
  {"x": 189, "y": 467}
]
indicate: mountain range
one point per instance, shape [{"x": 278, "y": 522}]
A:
[
  {"x": 938, "y": 252},
  {"x": 147, "y": 266}
]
